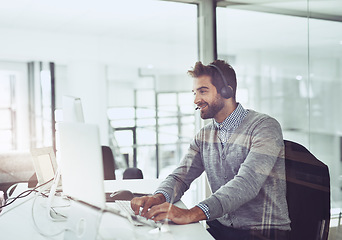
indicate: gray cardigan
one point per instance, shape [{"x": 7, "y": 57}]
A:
[{"x": 247, "y": 176}]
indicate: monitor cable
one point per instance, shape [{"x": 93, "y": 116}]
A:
[{"x": 10, "y": 200}]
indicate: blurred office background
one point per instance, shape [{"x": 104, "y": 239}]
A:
[{"x": 127, "y": 61}]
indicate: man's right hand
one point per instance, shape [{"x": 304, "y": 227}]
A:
[{"x": 146, "y": 203}]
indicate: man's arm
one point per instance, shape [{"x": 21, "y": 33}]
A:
[
  {"x": 146, "y": 203},
  {"x": 179, "y": 181},
  {"x": 171, "y": 189}
]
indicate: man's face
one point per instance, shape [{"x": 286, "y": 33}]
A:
[{"x": 206, "y": 97}]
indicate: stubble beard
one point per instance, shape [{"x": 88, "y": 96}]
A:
[{"x": 213, "y": 108}]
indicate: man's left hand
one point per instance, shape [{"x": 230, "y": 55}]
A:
[{"x": 177, "y": 215}]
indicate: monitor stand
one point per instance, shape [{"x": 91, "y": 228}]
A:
[{"x": 52, "y": 215}]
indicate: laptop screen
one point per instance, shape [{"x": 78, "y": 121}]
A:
[
  {"x": 81, "y": 163},
  {"x": 44, "y": 162},
  {"x": 72, "y": 109}
]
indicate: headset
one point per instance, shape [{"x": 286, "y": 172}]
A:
[{"x": 227, "y": 90}]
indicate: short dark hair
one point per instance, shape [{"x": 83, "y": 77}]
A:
[{"x": 216, "y": 79}]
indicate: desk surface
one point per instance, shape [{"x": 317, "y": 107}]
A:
[{"x": 27, "y": 219}]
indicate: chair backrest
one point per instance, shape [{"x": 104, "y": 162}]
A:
[
  {"x": 108, "y": 163},
  {"x": 308, "y": 193},
  {"x": 109, "y": 167},
  {"x": 133, "y": 173}
]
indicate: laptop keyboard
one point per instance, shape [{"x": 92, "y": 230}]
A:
[{"x": 125, "y": 209}]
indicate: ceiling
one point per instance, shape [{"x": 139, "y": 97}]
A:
[
  {"x": 91, "y": 17},
  {"x": 100, "y": 16},
  {"x": 320, "y": 9},
  {"x": 153, "y": 19}
]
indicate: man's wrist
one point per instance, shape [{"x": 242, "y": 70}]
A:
[
  {"x": 204, "y": 207},
  {"x": 197, "y": 214},
  {"x": 160, "y": 197},
  {"x": 165, "y": 194}
]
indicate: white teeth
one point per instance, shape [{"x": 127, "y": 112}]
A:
[{"x": 202, "y": 107}]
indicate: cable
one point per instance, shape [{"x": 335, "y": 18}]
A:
[
  {"x": 96, "y": 224},
  {"x": 28, "y": 192},
  {"x": 49, "y": 208},
  {"x": 21, "y": 195},
  {"x": 36, "y": 225},
  {"x": 99, "y": 220}
]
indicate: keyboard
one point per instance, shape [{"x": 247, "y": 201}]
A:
[{"x": 125, "y": 209}]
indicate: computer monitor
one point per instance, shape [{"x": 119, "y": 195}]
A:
[
  {"x": 81, "y": 163},
  {"x": 44, "y": 162},
  {"x": 72, "y": 109},
  {"x": 82, "y": 178}
]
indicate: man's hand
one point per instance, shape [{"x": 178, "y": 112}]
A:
[
  {"x": 146, "y": 202},
  {"x": 177, "y": 215}
]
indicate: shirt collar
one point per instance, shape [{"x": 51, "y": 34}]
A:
[{"x": 233, "y": 120}]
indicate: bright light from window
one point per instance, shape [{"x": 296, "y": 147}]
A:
[
  {"x": 299, "y": 77},
  {"x": 45, "y": 80},
  {"x": 242, "y": 95}
]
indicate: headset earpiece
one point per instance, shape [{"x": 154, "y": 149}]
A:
[{"x": 227, "y": 90}]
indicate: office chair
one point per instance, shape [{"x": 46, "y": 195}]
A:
[
  {"x": 109, "y": 167},
  {"x": 108, "y": 163},
  {"x": 132, "y": 173},
  {"x": 308, "y": 193}
]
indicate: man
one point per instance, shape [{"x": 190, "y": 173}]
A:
[{"x": 242, "y": 153}]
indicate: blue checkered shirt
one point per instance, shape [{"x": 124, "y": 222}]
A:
[{"x": 228, "y": 126}]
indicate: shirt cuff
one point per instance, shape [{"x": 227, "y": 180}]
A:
[
  {"x": 166, "y": 195},
  {"x": 205, "y": 209}
]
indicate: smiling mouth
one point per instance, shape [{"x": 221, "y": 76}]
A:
[{"x": 201, "y": 107}]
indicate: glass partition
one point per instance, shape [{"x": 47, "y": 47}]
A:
[
  {"x": 325, "y": 64},
  {"x": 289, "y": 66}
]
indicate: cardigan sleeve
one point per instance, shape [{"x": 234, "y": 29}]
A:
[{"x": 188, "y": 170}]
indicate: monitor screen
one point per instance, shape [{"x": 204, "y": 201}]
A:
[{"x": 72, "y": 109}]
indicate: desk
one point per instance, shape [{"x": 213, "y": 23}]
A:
[
  {"x": 16, "y": 220},
  {"x": 134, "y": 185}
]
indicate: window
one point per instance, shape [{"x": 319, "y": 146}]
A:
[
  {"x": 8, "y": 127},
  {"x": 150, "y": 105}
]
